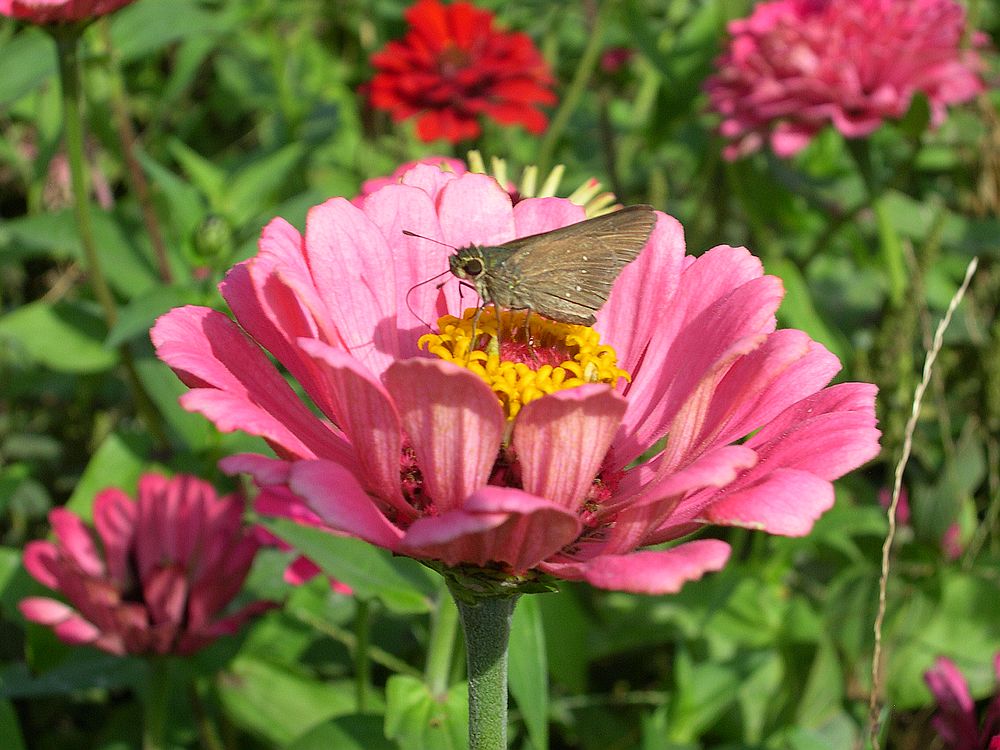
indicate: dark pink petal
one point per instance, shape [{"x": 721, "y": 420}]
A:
[
  {"x": 496, "y": 525},
  {"x": 165, "y": 591},
  {"x": 785, "y": 501},
  {"x": 41, "y": 559},
  {"x": 561, "y": 440},
  {"x": 114, "y": 519},
  {"x": 454, "y": 424},
  {"x": 264, "y": 470},
  {"x": 75, "y": 542},
  {"x": 367, "y": 416},
  {"x": 955, "y": 720},
  {"x": 339, "y": 499},
  {"x": 648, "y": 572},
  {"x": 352, "y": 264}
]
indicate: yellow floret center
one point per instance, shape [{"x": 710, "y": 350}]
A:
[{"x": 531, "y": 357}]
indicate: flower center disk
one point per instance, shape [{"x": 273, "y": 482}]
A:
[{"x": 535, "y": 356}]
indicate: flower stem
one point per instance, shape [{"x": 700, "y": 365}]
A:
[
  {"x": 486, "y": 622},
  {"x": 157, "y": 700},
  {"x": 441, "y": 645},
  {"x": 67, "y": 39},
  {"x": 362, "y": 667},
  {"x": 126, "y": 134},
  {"x": 577, "y": 88}
]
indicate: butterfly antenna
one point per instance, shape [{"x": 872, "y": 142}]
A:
[
  {"x": 421, "y": 283},
  {"x": 408, "y": 233}
]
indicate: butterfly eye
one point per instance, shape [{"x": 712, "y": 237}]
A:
[{"x": 473, "y": 267}]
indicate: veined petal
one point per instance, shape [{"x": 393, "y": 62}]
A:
[
  {"x": 561, "y": 440},
  {"x": 454, "y": 423},
  {"x": 537, "y": 215},
  {"x": 475, "y": 210}
]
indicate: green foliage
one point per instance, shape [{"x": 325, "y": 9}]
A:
[{"x": 248, "y": 110}]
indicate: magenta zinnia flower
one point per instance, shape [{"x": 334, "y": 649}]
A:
[
  {"x": 453, "y": 66},
  {"x": 524, "y": 462},
  {"x": 955, "y": 721},
  {"x": 59, "y": 11},
  {"x": 156, "y": 578},
  {"x": 794, "y": 66}
]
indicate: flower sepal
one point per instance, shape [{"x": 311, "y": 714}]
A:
[{"x": 471, "y": 583}]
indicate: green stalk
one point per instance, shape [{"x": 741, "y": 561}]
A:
[
  {"x": 577, "y": 88},
  {"x": 486, "y": 622},
  {"x": 67, "y": 38},
  {"x": 156, "y": 704},
  {"x": 441, "y": 645},
  {"x": 362, "y": 667}
]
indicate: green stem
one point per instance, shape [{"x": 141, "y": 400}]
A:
[
  {"x": 67, "y": 38},
  {"x": 362, "y": 666},
  {"x": 575, "y": 92},
  {"x": 441, "y": 645},
  {"x": 126, "y": 134},
  {"x": 157, "y": 702},
  {"x": 207, "y": 731},
  {"x": 486, "y": 623}
]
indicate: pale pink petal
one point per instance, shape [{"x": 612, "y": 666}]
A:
[
  {"x": 786, "y": 502},
  {"x": 561, "y": 440},
  {"x": 648, "y": 572},
  {"x": 431, "y": 178},
  {"x": 454, "y": 424},
  {"x": 496, "y": 525},
  {"x": 956, "y": 720},
  {"x": 352, "y": 265},
  {"x": 337, "y": 497},
  {"x": 75, "y": 541},
  {"x": 475, "y": 210},
  {"x": 537, "y": 215},
  {"x": 264, "y": 470},
  {"x": 367, "y": 416}
]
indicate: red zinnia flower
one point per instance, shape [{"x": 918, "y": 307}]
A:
[
  {"x": 58, "y": 11},
  {"x": 454, "y": 65}
]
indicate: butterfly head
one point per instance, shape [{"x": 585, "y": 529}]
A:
[{"x": 468, "y": 264}]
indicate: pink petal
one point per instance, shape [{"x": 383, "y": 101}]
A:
[
  {"x": 339, "y": 499},
  {"x": 537, "y": 215},
  {"x": 67, "y": 623},
  {"x": 648, "y": 571},
  {"x": 641, "y": 297},
  {"x": 367, "y": 416},
  {"x": 236, "y": 386},
  {"x": 265, "y": 471},
  {"x": 75, "y": 542},
  {"x": 454, "y": 424},
  {"x": 114, "y": 519},
  {"x": 431, "y": 179},
  {"x": 496, "y": 525},
  {"x": 561, "y": 440},
  {"x": 352, "y": 263},
  {"x": 475, "y": 210},
  {"x": 42, "y": 559}
]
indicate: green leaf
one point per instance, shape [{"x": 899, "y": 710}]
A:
[
  {"x": 401, "y": 584},
  {"x": 26, "y": 60},
  {"x": 147, "y": 26},
  {"x": 566, "y": 627},
  {"x": 83, "y": 669},
  {"x": 65, "y": 336},
  {"x": 797, "y": 309},
  {"x": 418, "y": 720},
  {"x": 253, "y": 185},
  {"x": 358, "y": 732},
  {"x": 821, "y": 699},
  {"x": 164, "y": 388},
  {"x": 10, "y": 728},
  {"x": 137, "y": 317},
  {"x": 278, "y": 704},
  {"x": 528, "y": 670},
  {"x": 203, "y": 173},
  {"x": 118, "y": 462},
  {"x": 892, "y": 253}
]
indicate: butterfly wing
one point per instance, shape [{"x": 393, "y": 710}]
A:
[{"x": 567, "y": 274}]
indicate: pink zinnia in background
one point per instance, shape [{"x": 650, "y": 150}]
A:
[
  {"x": 417, "y": 454},
  {"x": 156, "y": 578},
  {"x": 955, "y": 721},
  {"x": 454, "y": 66},
  {"x": 795, "y": 66},
  {"x": 57, "y": 11}
]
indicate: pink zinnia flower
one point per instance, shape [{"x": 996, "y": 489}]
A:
[
  {"x": 454, "y": 66},
  {"x": 955, "y": 721},
  {"x": 157, "y": 576},
  {"x": 59, "y": 11},
  {"x": 519, "y": 463},
  {"x": 795, "y": 65},
  {"x": 446, "y": 163}
]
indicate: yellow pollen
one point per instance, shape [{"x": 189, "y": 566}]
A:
[{"x": 559, "y": 355}]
